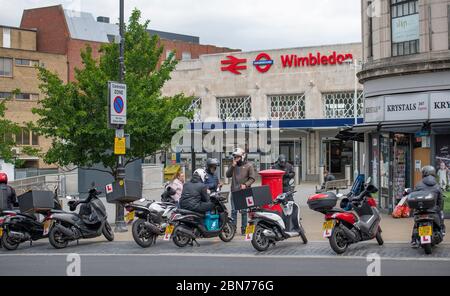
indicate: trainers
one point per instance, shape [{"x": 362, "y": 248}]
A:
[{"x": 414, "y": 244}]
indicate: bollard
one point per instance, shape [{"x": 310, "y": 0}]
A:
[
  {"x": 348, "y": 174},
  {"x": 321, "y": 178}
]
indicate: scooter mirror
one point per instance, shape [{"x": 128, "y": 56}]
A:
[
  {"x": 69, "y": 197},
  {"x": 142, "y": 199}
]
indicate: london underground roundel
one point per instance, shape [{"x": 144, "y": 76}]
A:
[{"x": 263, "y": 62}]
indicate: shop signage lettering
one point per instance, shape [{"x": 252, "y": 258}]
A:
[
  {"x": 317, "y": 59},
  {"x": 442, "y": 105},
  {"x": 401, "y": 107},
  {"x": 406, "y": 107},
  {"x": 439, "y": 105},
  {"x": 373, "y": 109}
]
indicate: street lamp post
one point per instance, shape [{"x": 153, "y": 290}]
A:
[
  {"x": 120, "y": 223},
  {"x": 355, "y": 116}
]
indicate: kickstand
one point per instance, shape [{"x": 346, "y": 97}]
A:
[
  {"x": 78, "y": 242},
  {"x": 196, "y": 243},
  {"x": 31, "y": 243}
]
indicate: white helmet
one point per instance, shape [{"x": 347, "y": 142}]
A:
[
  {"x": 239, "y": 152},
  {"x": 201, "y": 173}
]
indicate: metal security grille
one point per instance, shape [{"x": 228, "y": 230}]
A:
[
  {"x": 340, "y": 104},
  {"x": 287, "y": 106},
  {"x": 196, "y": 107},
  {"x": 234, "y": 108}
]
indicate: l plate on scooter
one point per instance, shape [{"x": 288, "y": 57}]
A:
[
  {"x": 129, "y": 217},
  {"x": 1, "y": 231},
  {"x": 47, "y": 225},
  {"x": 327, "y": 228},
  {"x": 169, "y": 231},
  {"x": 249, "y": 231}
]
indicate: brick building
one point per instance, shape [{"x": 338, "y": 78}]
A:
[
  {"x": 66, "y": 32},
  {"x": 19, "y": 82}
]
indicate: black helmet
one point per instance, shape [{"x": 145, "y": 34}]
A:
[
  {"x": 211, "y": 162},
  {"x": 428, "y": 170},
  {"x": 282, "y": 159}
]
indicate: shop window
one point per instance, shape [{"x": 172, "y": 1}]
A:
[
  {"x": 287, "y": 106},
  {"x": 27, "y": 62},
  {"x": 234, "y": 108},
  {"x": 341, "y": 104},
  {"x": 196, "y": 107},
  {"x": 405, "y": 27},
  {"x": 6, "y": 67}
]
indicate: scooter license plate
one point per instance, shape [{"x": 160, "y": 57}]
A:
[
  {"x": 249, "y": 231},
  {"x": 169, "y": 231},
  {"x": 425, "y": 231},
  {"x": 328, "y": 228},
  {"x": 129, "y": 217},
  {"x": 47, "y": 225}
]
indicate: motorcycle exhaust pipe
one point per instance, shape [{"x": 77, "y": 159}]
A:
[
  {"x": 17, "y": 236},
  {"x": 67, "y": 232},
  {"x": 269, "y": 233},
  {"x": 350, "y": 234},
  {"x": 187, "y": 232},
  {"x": 153, "y": 228}
]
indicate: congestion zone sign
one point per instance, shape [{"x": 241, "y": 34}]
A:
[{"x": 117, "y": 103}]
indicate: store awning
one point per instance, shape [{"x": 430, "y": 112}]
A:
[
  {"x": 349, "y": 135},
  {"x": 402, "y": 127},
  {"x": 366, "y": 127},
  {"x": 440, "y": 126}
]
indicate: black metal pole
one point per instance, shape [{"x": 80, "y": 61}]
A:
[{"x": 120, "y": 177}]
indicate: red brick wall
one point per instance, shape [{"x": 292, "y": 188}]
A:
[
  {"x": 73, "y": 54},
  {"x": 52, "y": 31},
  {"x": 195, "y": 49}
]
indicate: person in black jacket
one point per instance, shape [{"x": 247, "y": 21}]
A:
[
  {"x": 195, "y": 195},
  {"x": 285, "y": 166},
  {"x": 429, "y": 184},
  {"x": 10, "y": 193}
]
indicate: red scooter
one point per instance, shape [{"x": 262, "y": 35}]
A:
[{"x": 357, "y": 220}]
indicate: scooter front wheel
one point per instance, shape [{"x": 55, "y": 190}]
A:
[
  {"x": 338, "y": 240},
  {"x": 259, "y": 241},
  {"x": 180, "y": 239},
  {"x": 303, "y": 235},
  {"x": 56, "y": 238},
  {"x": 107, "y": 232},
  {"x": 378, "y": 237},
  {"x": 228, "y": 232}
]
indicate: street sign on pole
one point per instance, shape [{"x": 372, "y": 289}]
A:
[
  {"x": 117, "y": 103},
  {"x": 119, "y": 146}
]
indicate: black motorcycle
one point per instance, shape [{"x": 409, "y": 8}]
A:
[
  {"x": 427, "y": 231},
  {"x": 18, "y": 227},
  {"x": 90, "y": 222},
  {"x": 186, "y": 226}
]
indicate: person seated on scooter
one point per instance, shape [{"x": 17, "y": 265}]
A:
[
  {"x": 195, "y": 195},
  {"x": 429, "y": 184},
  {"x": 10, "y": 193},
  {"x": 212, "y": 181},
  {"x": 282, "y": 165}
]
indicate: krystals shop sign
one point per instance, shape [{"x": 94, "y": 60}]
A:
[
  {"x": 263, "y": 61},
  {"x": 414, "y": 106}
]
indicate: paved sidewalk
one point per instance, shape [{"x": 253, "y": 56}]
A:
[{"x": 394, "y": 230}]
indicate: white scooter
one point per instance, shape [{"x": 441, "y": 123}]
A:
[{"x": 267, "y": 227}]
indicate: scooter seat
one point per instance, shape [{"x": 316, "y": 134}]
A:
[
  {"x": 31, "y": 216},
  {"x": 187, "y": 212}
]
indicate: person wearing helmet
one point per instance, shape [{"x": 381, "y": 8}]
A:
[
  {"x": 430, "y": 184},
  {"x": 212, "y": 181},
  {"x": 282, "y": 165},
  {"x": 8, "y": 191},
  {"x": 243, "y": 175},
  {"x": 194, "y": 196}
]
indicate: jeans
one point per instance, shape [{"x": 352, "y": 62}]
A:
[{"x": 234, "y": 216}]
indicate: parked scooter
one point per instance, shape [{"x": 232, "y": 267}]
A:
[
  {"x": 345, "y": 227},
  {"x": 152, "y": 221},
  {"x": 92, "y": 221},
  {"x": 186, "y": 226},
  {"x": 427, "y": 225},
  {"x": 17, "y": 227},
  {"x": 267, "y": 227}
]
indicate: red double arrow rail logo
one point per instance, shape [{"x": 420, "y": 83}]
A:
[{"x": 233, "y": 64}]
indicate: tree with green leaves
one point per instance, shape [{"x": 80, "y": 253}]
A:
[
  {"x": 7, "y": 130},
  {"x": 74, "y": 114}
]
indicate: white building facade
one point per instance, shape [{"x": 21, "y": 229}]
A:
[{"x": 307, "y": 93}]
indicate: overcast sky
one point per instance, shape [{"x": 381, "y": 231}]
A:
[{"x": 244, "y": 24}]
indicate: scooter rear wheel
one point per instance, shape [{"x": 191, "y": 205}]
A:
[
  {"x": 56, "y": 238},
  {"x": 427, "y": 249},
  {"x": 259, "y": 241},
  {"x": 7, "y": 244},
  {"x": 142, "y": 236},
  {"x": 180, "y": 239},
  {"x": 338, "y": 240}
]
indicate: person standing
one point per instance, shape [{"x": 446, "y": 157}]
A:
[
  {"x": 282, "y": 165},
  {"x": 212, "y": 181},
  {"x": 243, "y": 175},
  {"x": 177, "y": 185}
]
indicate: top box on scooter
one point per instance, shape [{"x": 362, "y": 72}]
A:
[
  {"x": 35, "y": 200},
  {"x": 123, "y": 191},
  {"x": 322, "y": 202},
  {"x": 422, "y": 200},
  {"x": 251, "y": 197}
]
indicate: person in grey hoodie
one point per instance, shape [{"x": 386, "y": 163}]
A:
[{"x": 243, "y": 175}]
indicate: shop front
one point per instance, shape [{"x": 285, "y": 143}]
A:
[{"x": 403, "y": 133}]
